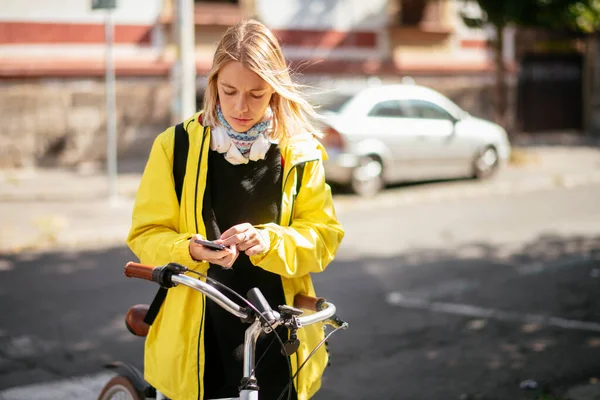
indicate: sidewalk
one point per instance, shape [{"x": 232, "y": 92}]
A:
[{"x": 60, "y": 208}]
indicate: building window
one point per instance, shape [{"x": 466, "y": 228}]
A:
[
  {"x": 217, "y": 1},
  {"x": 418, "y": 12},
  {"x": 412, "y": 11}
]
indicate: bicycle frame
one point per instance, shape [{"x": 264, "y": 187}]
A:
[
  {"x": 249, "y": 396},
  {"x": 161, "y": 397},
  {"x": 250, "y": 338}
]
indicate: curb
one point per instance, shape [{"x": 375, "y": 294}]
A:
[
  {"x": 62, "y": 185},
  {"x": 80, "y": 193},
  {"x": 391, "y": 197}
]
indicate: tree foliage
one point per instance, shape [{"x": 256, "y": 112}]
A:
[
  {"x": 575, "y": 15},
  {"x": 585, "y": 15}
]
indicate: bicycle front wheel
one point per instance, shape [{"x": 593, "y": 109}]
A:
[{"x": 120, "y": 388}]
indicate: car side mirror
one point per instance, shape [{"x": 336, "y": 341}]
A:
[{"x": 459, "y": 117}]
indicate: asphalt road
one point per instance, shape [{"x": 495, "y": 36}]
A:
[
  {"x": 469, "y": 298},
  {"x": 454, "y": 299}
]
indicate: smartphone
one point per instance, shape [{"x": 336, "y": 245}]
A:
[{"x": 210, "y": 245}]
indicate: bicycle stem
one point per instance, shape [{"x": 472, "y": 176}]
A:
[{"x": 250, "y": 338}]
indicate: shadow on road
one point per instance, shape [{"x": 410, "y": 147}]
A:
[
  {"x": 461, "y": 323},
  {"x": 64, "y": 313}
]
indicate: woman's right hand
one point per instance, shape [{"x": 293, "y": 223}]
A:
[{"x": 224, "y": 258}]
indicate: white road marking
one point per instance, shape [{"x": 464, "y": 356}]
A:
[
  {"x": 23, "y": 346},
  {"x": 446, "y": 288},
  {"x": 397, "y": 299},
  {"x": 82, "y": 388}
]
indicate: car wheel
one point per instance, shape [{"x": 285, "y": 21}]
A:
[
  {"x": 485, "y": 163},
  {"x": 367, "y": 177}
]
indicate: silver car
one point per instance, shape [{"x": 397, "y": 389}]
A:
[{"x": 400, "y": 133}]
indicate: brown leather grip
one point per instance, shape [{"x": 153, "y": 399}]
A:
[
  {"x": 134, "y": 320},
  {"x": 308, "y": 302},
  {"x": 136, "y": 270}
]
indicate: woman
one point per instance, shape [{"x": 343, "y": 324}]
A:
[{"x": 245, "y": 154}]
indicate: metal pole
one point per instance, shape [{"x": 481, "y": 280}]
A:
[
  {"x": 186, "y": 58},
  {"x": 111, "y": 123}
]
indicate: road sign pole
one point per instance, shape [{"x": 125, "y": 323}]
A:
[
  {"x": 111, "y": 123},
  {"x": 184, "y": 72}
]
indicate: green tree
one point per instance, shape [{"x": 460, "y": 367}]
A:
[{"x": 569, "y": 15}]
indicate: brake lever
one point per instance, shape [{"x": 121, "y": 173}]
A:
[
  {"x": 176, "y": 268},
  {"x": 337, "y": 322},
  {"x": 169, "y": 270}
]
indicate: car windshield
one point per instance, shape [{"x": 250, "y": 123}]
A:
[{"x": 334, "y": 104}]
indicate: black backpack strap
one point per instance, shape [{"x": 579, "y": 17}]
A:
[
  {"x": 180, "y": 154},
  {"x": 159, "y": 298},
  {"x": 299, "y": 175}
]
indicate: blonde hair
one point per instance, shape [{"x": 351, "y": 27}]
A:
[{"x": 256, "y": 48}]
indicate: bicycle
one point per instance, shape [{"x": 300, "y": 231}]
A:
[{"x": 129, "y": 382}]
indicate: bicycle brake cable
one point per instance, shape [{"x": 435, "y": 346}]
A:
[
  {"x": 308, "y": 358},
  {"x": 264, "y": 319},
  {"x": 262, "y": 356}
]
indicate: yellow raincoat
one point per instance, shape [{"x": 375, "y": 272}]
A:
[{"x": 305, "y": 241}]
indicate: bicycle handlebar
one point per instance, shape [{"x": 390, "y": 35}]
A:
[
  {"x": 309, "y": 302},
  {"x": 213, "y": 293},
  {"x": 141, "y": 271},
  {"x": 323, "y": 310}
]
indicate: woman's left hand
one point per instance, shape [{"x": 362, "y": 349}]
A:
[{"x": 246, "y": 238}]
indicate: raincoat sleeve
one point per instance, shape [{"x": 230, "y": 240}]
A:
[
  {"x": 155, "y": 236},
  {"x": 312, "y": 240}
]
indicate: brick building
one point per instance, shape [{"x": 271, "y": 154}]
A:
[{"x": 52, "y": 63}]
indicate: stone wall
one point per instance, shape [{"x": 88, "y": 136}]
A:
[{"x": 61, "y": 122}]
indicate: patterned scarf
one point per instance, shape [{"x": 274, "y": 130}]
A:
[{"x": 244, "y": 140}]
